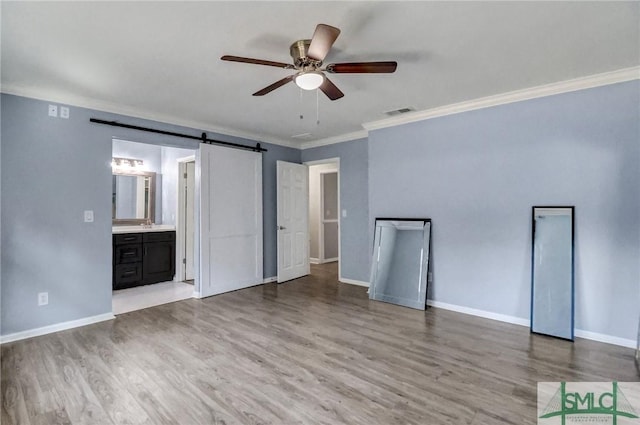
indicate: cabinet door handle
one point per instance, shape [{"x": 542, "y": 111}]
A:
[
  {"x": 129, "y": 238},
  {"x": 129, "y": 254},
  {"x": 129, "y": 273}
]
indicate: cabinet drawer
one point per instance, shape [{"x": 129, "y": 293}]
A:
[
  {"x": 159, "y": 236},
  {"x": 126, "y": 274},
  {"x": 131, "y": 253},
  {"x": 127, "y": 238}
]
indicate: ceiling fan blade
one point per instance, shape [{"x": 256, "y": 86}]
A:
[
  {"x": 256, "y": 61},
  {"x": 274, "y": 86},
  {"x": 322, "y": 40},
  {"x": 330, "y": 89},
  {"x": 362, "y": 68}
]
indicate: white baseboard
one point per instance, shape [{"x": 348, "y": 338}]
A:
[
  {"x": 479, "y": 313},
  {"x": 608, "y": 339},
  {"x": 326, "y": 260},
  {"x": 56, "y": 328},
  {"x": 270, "y": 279},
  {"x": 354, "y": 282},
  {"x": 594, "y": 336}
]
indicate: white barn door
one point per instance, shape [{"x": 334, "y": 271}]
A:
[
  {"x": 230, "y": 219},
  {"x": 293, "y": 220}
]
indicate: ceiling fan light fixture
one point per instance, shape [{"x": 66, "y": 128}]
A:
[{"x": 310, "y": 80}]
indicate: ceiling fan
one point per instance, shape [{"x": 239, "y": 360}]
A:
[{"x": 307, "y": 60}]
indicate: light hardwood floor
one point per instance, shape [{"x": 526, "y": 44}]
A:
[{"x": 311, "y": 351}]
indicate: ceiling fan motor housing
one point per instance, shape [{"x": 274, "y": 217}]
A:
[{"x": 298, "y": 51}]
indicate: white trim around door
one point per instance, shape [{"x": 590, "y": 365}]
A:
[
  {"x": 180, "y": 218},
  {"x": 336, "y": 161}
]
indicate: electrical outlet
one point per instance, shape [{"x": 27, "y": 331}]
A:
[
  {"x": 43, "y": 298},
  {"x": 64, "y": 112},
  {"x": 53, "y": 110},
  {"x": 88, "y": 216}
]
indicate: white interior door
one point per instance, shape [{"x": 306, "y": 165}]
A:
[
  {"x": 293, "y": 220},
  {"x": 230, "y": 219},
  {"x": 189, "y": 218}
]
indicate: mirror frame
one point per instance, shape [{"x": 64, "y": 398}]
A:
[
  {"x": 420, "y": 301},
  {"x": 569, "y": 284},
  {"x": 152, "y": 199}
]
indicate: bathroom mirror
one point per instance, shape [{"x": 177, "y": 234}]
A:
[
  {"x": 400, "y": 261},
  {"x": 133, "y": 197},
  {"x": 552, "y": 278}
]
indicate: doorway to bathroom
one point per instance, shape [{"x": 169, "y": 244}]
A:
[{"x": 167, "y": 209}]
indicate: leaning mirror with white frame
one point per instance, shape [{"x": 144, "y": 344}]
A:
[{"x": 401, "y": 261}]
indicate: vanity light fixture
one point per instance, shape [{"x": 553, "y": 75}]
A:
[{"x": 126, "y": 163}]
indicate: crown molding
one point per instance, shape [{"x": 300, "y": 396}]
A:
[
  {"x": 613, "y": 77},
  {"x": 360, "y": 134},
  {"x": 115, "y": 108},
  {"x": 592, "y": 81}
]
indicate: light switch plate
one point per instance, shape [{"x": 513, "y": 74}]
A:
[
  {"x": 344, "y": 213},
  {"x": 64, "y": 112},
  {"x": 53, "y": 110},
  {"x": 88, "y": 216}
]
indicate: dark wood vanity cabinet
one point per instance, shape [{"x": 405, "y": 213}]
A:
[
  {"x": 143, "y": 258},
  {"x": 158, "y": 256}
]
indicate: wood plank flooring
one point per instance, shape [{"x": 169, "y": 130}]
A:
[{"x": 311, "y": 351}]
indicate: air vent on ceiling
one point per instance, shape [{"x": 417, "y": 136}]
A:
[
  {"x": 399, "y": 111},
  {"x": 302, "y": 136}
]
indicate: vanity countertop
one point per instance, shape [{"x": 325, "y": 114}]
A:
[{"x": 143, "y": 229}]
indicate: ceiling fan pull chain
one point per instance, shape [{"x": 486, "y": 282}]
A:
[
  {"x": 300, "y": 104},
  {"x": 317, "y": 107}
]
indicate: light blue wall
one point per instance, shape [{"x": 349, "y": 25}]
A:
[
  {"x": 477, "y": 175},
  {"x": 170, "y": 158},
  {"x": 52, "y": 170},
  {"x": 354, "y": 182}
]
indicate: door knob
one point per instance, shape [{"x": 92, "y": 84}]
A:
[{"x": 281, "y": 227}]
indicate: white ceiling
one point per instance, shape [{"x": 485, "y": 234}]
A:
[{"x": 160, "y": 60}]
